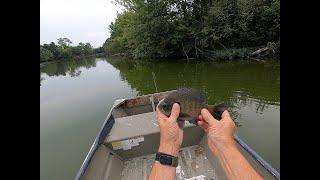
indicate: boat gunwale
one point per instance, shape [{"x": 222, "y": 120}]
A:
[{"x": 107, "y": 125}]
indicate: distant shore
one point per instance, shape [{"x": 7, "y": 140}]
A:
[{"x": 76, "y": 57}]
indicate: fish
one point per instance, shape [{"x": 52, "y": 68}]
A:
[{"x": 191, "y": 101}]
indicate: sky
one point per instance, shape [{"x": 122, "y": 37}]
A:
[{"x": 78, "y": 20}]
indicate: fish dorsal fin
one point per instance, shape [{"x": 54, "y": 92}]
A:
[{"x": 192, "y": 93}]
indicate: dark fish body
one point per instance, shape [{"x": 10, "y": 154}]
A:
[{"x": 191, "y": 102}]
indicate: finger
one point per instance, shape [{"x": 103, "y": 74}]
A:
[
  {"x": 160, "y": 114},
  {"x": 160, "y": 118},
  {"x": 203, "y": 125},
  {"x": 175, "y": 111},
  {"x": 207, "y": 117},
  {"x": 225, "y": 115},
  {"x": 200, "y": 118}
]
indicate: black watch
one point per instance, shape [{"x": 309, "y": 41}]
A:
[{"x": 167, "y": 159}]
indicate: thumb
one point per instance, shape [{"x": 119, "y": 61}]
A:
[
  {"x": 175, "y": 111},
  {"x": 225, "y": 115},
  {"x": 208, "y": 117}
]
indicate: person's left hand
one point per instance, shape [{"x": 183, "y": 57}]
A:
[{"x": 171, "y": 135}]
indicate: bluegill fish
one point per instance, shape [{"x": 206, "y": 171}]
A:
[{"x": 191, "y": 102}]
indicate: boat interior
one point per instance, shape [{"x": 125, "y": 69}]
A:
[{"x": 128, "y": 151}]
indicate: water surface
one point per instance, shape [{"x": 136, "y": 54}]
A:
[{"x": 75, "y": 97}]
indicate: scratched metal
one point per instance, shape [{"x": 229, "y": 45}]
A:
[{"x": 193, "y": 165}]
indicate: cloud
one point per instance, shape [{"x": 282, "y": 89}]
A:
[{"x": 79, "y": 20}]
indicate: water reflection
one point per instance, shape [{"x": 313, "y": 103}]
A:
[
  {"x": 231, "y": 81},
  {"x": 70, "y": 67},
  {"x": 234, "y": 82}
]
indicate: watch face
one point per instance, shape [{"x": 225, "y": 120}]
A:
[{"x": 165, "y": 160}]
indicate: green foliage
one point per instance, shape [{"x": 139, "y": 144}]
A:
[
  {"x": 173, "y": 28},
  {"x": 64, "y": 50},
  {"x": 64, "y": 42},
  {"x": 45, "y": 54},
  {"x": 274, "y": 47}
]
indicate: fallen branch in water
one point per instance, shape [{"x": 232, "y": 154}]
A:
[{"x": 259, "y": 51}]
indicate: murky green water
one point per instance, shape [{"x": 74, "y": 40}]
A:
[{"x": 77, "y": 95}]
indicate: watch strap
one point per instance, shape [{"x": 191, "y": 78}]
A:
[{"x": 174, "y": 159}]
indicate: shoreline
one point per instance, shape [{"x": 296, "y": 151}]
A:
[
  {"x": 227, "y": 54},
  {"x": 76, "y": 57}
]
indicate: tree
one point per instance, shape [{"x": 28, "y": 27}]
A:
[
  {"x": 173, "y": 28},
  {"x": 64, "y": 50},
  {"x": 64, "y": 42},
  {"x": 88, "y": 49},
  {"x": 45, "y": 54},
  {"x": 54, "y": 49}
]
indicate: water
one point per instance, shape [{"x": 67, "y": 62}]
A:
[{"x": 77, "y": 95}]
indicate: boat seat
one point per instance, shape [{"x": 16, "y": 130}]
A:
[
  {"x": 144, "y": 127},
  {"x": 134, "y": 126}
]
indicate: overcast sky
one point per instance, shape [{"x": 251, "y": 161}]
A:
[{"x": 78, "y": 20}]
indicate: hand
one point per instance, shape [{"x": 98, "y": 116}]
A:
[
  {"x": 171, "y": 135},
  {"x": 220, "y": 133}
]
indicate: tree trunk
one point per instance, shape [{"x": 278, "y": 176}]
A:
[{"x": 185, "y": 53}]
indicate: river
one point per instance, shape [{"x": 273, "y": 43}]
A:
[{"x": 76, "y": 95}]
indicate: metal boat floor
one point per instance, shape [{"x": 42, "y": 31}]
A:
[{"x": 193, "y": 165}]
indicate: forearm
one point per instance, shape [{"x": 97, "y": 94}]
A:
[
  {"x": 235, "y": 165},
  {"x": 159, "y": 171}
]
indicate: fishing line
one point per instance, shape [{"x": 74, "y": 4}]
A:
[{"x": 155, "y": 84}]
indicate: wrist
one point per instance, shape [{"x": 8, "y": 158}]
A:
[
  {"x": 169, "y": 149},
  {"x": 225, "y": 147}
]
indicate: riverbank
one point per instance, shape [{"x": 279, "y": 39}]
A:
[
  {"x": 254, "y": 53},
  {"x": 76, "y": 58},
  {"x": 271, "y": 51}
]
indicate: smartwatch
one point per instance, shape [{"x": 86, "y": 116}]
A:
[{"x": 166, "y": 159}]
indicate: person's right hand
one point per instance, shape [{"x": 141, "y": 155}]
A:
[{"x": 220, "y": 133}]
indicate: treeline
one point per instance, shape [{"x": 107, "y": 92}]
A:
[
  {"x": 64, "y": 50},
  {"x": 194, "y": 28}
]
